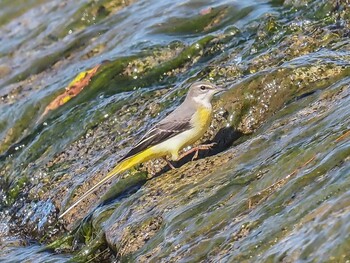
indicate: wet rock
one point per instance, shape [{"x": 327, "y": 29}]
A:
[
  {"x": 128, "y": 239},
  {"x": 277, "y": 173},
  {"x": 261, "y": 95}
]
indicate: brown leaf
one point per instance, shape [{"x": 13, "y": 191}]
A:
[
  {"x": 342, "y": 137},
  {"x": 72, "y": 90}
]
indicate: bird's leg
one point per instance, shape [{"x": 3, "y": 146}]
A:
[
  {"x": 169, "y": 163},
  {"x": 196, "y": 149}
]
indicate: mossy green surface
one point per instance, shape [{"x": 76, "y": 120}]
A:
[{"x": 278, "y": 193}]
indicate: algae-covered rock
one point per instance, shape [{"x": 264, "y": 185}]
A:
[{"x": 274, "y": 187}]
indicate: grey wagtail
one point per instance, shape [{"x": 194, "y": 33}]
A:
[{"x": 185, "y": 125}]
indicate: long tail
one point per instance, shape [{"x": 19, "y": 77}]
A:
[{"x": 121, "y": 167}]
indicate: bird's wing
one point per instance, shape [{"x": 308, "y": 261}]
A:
[
  {"x": 164, "y": 130},
  {"x": 159, "y": 133}
]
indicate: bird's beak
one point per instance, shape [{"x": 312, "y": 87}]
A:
[{"x": 220, "y": 89}]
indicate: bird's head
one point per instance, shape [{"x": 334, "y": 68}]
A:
[{"x": 202, "y": 92}]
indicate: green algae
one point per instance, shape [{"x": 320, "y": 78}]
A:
[
  {"x": 214, "y": 18},
  {"x": 90, "y": 229},
  {"x": 243, "y": 208},
  {"x": 90, "y": 251},
  {"x": 89, "y": 14},
  {"x": 253, "y": 202},
  {"x": 12, "y": 9},
  {"x": 16, "y": 131},
  {"x": 255, "y": 104},
  {"x": 109, "y": 77},
  {"x": 124, "y": 184},
  {"x": 15, "y": 190},
  {"x": 45, "y": 61},
  {"x": 63, "y": 243}
]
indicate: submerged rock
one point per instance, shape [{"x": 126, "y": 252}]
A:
[{"x": 273, "y": 188}]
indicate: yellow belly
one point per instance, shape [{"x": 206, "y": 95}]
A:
[{"x": 200, "y": 123}]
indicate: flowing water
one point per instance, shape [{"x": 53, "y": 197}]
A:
[{"x": 80, "y": 82}]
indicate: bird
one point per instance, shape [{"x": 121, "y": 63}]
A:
[{"x": 181, "y": 128}]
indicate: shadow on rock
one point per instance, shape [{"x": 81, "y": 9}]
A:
[{"x": 223, "y": 140}]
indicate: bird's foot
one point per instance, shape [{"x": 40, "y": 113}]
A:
[
  {"x": 169, "y": 163},
  {"x": 196, "y": 150}
]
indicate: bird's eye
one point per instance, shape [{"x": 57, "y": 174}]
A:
[{"x": 202, "y": 87}]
